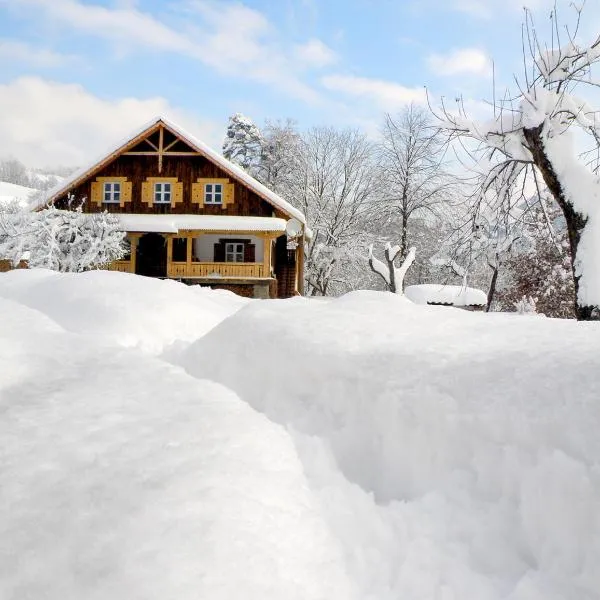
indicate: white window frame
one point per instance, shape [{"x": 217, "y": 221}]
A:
[
  {"x": 111, "y": 190},
  {"x": 213, "y": 193},
  {"x": 234, "y": 252},
  {"x": 163, "y": 192}
]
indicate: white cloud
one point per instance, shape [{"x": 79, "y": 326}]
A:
[
  {"x": 315, "y": 54},
  {"x": 462, "y": 61},
  {"x": 18, "y": 52},
  {"x": 54, "y": 124},
  {"x": 387, "y": 95},
  {"x": 232, "y": 38}
]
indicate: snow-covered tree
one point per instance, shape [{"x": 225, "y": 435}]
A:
[
  {"x": 14, "y": 171},
  {"x": 415, "y": 181},
  {"x": 61, "y": 240},
  {"x": 335, "y": 186},
  {"x": 531, "y": 139},
  {"x": 392, "y": 275},
  {"x": 280, "y": 155},
  {"x": 243, "y": 143}
]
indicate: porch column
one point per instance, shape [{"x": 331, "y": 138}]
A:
[
  {"x": 169, "y": 254},
  {"x": 133, "y": 241},
  {"x": 267, "y": 255},
  {"x": 188, "y": 256}
]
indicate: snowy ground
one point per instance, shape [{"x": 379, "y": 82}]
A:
[{"x": 163, "y": 441}]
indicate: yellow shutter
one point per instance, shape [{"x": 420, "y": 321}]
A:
[
  {"x": 97, "y": 192},
  {"x": 228, "y": 194},
  {"x": 147, "y": 192},
  {"x": 197, "y": 193},
  {"x": 177, "y": 192},
  {"x": 126, "y": 192}
]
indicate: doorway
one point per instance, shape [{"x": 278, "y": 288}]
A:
[{"x": 151, "y": 258}]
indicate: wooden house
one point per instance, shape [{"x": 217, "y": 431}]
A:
[{"x": 192, "y": 215}]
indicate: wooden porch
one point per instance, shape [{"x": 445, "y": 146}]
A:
[{"x": 192, "y": 268}]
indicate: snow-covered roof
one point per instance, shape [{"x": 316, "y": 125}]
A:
[
  {"x": 174, "y": 223},
  {"x": 11, "y": 192},
  {"x": 455, "y": 295},
  {"x": 198, "y": 145}
]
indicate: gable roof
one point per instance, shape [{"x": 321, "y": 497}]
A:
[{"x": 138, "y": 135}]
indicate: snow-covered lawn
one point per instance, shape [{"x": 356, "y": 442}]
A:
[{"x": 163, "y": 441}]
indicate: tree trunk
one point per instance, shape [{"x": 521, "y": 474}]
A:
[
  {"x": 492, "y": 288},
  {"x": 575, "y": 221}
]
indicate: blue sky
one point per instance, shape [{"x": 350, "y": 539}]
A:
[{"x": 76, "y": 74}]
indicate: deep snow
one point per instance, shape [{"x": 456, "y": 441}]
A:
[{"x": 366, "y": 447}]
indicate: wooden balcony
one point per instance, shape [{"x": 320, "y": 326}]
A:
[{"x": 214, "y": 270}]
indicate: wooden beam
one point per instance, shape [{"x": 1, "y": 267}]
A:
[
  {"x": 133, "y": 241},
  {"x": 188, "y": 256},
  {"x": 160, "y": 149},
  {"x": 141, "y": 153},
  {"x": 172, "y": 143},
  {"x": 151, "y": 144},
  {"x": 267, "y": 243}
]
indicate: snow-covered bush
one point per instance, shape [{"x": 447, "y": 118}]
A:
[
  {"x": 526, "y": 305},
  {"x": 61, "y": 240}
]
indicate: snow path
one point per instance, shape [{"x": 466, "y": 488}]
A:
[
  {"x": 123, "y": 477},
  {"x": 380, "y": 450}
]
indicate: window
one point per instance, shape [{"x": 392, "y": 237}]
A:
[
  {"x": 234, "y": 252},
  {"x": 213, "y": 193},
  {"x": 112, "y": 192},
  {"x": 162, "y": 193}
]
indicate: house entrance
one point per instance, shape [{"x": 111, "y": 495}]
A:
[{"x": 151, "y": 258}]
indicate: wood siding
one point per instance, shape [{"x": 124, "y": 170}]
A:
[{"x": 184, "y": 169}]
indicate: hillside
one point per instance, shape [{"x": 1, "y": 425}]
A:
[
  {"x": 10, "y": 193},
  {"x": 166, "y": 441}
]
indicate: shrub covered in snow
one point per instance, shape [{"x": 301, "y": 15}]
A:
[{"x": 61, "y": 240}]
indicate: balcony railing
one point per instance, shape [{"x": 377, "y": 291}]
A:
[
  {"x": 124, "y": 266},
  {"x": 230, "y": 270}
]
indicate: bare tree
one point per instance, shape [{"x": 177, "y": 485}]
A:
[
  {"x": 411, "y": 160},
  {"x": 335, "y": 186},
  {"x": 530, "y": 143}
]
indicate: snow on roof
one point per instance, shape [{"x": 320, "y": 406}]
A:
[
  {"x": 199, "y": 146},
  {"x": 11, "y": 192},
  {"x": 173, "y": 223},
  {"x": 435, "y": 293}
]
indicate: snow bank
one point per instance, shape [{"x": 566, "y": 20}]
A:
[
  {"x": 375, "y": 450},
  {"x": 123, "y": 477},
  {"x": 456, "y": 295},
  {"x": 455, "y": 455},
  {"x": 121, "y": 308}
]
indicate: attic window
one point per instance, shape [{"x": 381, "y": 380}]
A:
[
  {"x": 213, "y": 193},
  {"x": 162, "y": 193},
  {"x": 112, "y": 192}
]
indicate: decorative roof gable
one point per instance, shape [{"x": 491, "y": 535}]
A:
[{"x": 161, "y": 137}]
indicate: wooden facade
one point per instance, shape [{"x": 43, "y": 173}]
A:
[{"x": 162, "y": 171}]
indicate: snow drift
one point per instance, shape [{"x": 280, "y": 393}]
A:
[
  {"x": 367, "y": 447},
  {"x": 455, "y": 454}
]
